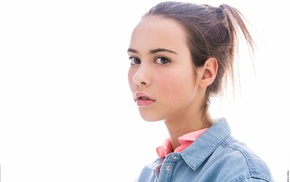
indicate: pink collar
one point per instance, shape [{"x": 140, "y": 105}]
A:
[{"x": 184, "y": 140}]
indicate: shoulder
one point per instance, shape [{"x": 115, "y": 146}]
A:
[
  {"x": 217, "y": 155},
  {"x": 240, "y": 162}
]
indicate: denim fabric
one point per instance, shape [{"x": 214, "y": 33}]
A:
[{"x": 214, "y": 156}]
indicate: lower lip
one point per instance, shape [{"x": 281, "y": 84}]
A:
[{"x": 144, "y": 102}]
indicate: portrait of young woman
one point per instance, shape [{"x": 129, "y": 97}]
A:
[
  {"x": 144, "y": 90},
  {"x": 182, "y": 54}
]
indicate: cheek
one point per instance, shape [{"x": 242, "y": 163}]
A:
[
  {"x": 176, "y": 84},
  {"x": 172, "y": 84}
]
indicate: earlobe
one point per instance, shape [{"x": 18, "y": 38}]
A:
[{"x": 209, "y": 73}]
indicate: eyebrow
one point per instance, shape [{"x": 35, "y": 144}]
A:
[{"x": 153, "y": 51}]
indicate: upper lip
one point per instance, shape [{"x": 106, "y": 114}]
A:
[{"x": 139, "y": 95}]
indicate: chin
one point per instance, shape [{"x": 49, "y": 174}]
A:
[{"x": 150, "y": 118}]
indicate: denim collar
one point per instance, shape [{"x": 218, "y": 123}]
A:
[{"x": 206, "y": 144}]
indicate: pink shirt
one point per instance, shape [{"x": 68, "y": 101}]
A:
[{"x": 184, "y": 140}]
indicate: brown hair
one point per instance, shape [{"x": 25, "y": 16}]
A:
[{"x": 212, "y": 32}]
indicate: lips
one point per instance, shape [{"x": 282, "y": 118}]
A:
[{"x": 142, "y": 99}]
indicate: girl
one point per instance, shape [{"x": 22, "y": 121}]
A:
[{"x": 180, "y": 55}]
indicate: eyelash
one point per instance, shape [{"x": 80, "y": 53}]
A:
[
  {"x": 162, "y": 59},
  {"x": 134, "y": 59}
]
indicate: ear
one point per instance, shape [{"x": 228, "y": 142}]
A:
[{"x": 209, "y": 72}]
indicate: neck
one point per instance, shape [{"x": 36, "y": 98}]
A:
[{"x": 186, "y": 124}]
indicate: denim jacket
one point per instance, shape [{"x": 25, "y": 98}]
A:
[{"x": 214, "y": 157}]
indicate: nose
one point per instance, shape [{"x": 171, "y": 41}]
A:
[{"x": 141, "y": 77}]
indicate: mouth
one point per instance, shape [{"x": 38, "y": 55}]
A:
[{"x": 142, "y": 99}]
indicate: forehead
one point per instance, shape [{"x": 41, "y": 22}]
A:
[{"x": 156, "y": 31}]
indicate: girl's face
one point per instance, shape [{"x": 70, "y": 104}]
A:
[{"x": 161, "y": 75}]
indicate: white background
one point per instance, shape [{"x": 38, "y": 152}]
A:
[{"x": 66, "y": 113}]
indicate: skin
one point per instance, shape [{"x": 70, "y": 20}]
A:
[{"x": 162, "y": 68}]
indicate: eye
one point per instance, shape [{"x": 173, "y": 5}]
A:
[
  {"x": 134, "y": 60},
  {"x": 162, "y": 60}
]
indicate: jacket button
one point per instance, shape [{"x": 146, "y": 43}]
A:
[{"x": 168, "y": 168}]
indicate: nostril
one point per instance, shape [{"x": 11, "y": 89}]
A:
[{"x": 143, "y": 83}]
